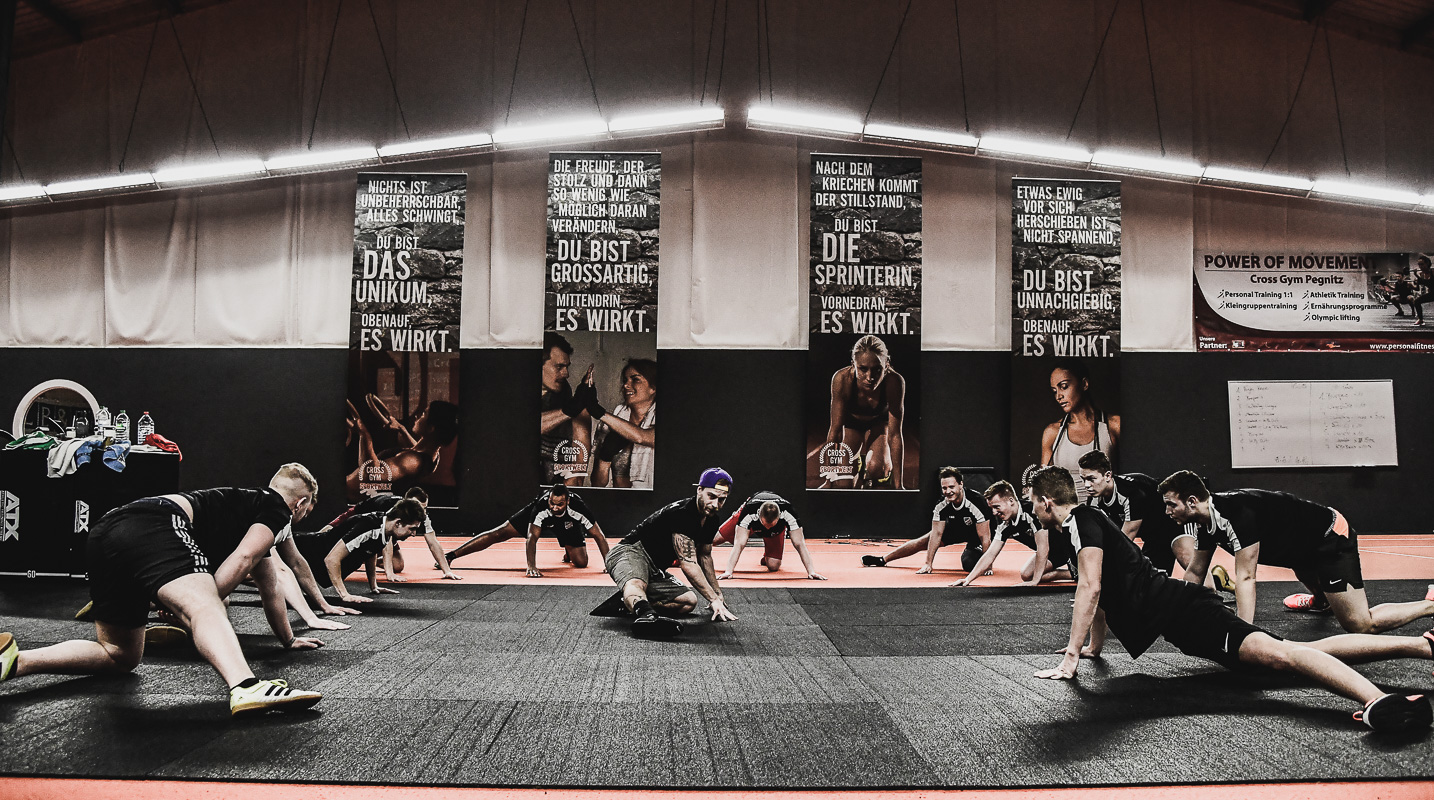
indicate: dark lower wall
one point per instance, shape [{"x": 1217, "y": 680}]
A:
[{"x": 238, "y": 413}]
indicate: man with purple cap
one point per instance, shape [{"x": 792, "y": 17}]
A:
[{"x": 681, "y": 532}]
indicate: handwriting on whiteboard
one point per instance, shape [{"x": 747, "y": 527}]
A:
[{"x": 1312, "y": 423}]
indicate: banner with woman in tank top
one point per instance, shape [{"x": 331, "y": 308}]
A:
[
  {"x": 598, "y": 424},
  {"x": 1065, "y": 322},
  {"x": 863, "y": 385},
  {"x": 402, "y": 415}
]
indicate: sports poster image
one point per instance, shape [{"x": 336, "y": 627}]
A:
[
  {"x": 1318, "y": 302},
  {"x": 863, "y": 384},
  {"x": 1065, "y": 318},
  {"x": 599, "y": 354},
  {"x": 401, "y": 425}
]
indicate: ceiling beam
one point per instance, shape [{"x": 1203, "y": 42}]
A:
[
  {"x": 57, "y": 15},
  {"x": 1314, "y": 9},
  {"x": 1417, "y": 30}
]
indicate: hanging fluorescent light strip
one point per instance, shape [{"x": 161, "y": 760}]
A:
[
  {"x": 1260, "y": 181},
  {"x": 693, "y": 119},
  {"x": 202, "y": 172},
  {"x": 322, "y": 158},
  {"x": 572, "y": 129},
  {"x": 1376, "y": 193},
  {"x": 768, "y": 118},
  {"x": 1037, "y": 150},
  {"x": 1147, "y": 165},
  {"x": 920, "y": 136},
  {"x": 21, "y": 191},
  {"x": 469, "y": 141},
  {"x": 122, "y": 181}
]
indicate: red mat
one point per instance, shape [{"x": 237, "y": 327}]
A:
[{"x": 1384, "y": 557}]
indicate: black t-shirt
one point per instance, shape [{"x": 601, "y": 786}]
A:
[
  {"x": 525, "y": 515},
  {"x": 362, "y": 535},
  {"x": 223, "y": 516},
  {"x": 1288, "y": 529},
  {"x": 1020, "y": 528},
  {"x": 655, "y": 532},
  {"x": 1138, "y": 599},
  {"x": 749, "y": 516},
  {"x": 961, "y": 518},
  {"x": 1135, "y": 499},
  {"x": 382, "y": 504},
  {"x": 571, "y": 522}
]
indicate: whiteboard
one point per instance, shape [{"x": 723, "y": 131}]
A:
[{"x": 1312, "y": 424}]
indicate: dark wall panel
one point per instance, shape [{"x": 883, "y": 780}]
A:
[{"x": 238, "y": 413}]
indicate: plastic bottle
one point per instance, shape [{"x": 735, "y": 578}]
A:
[
  {"x": 144, "y": 428},
  {"x": 122, "y": 427},
  {"x": 102, "y": 419}
]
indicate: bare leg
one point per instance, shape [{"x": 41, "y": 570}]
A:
[
  {"x": 397, "y": 565},
  {"x": 1357, "y": 648},
  {"x": 681, "y": 604},
  {"x": 1264, "y": 650},
  {"x": 1352, "y": 609},
  {"x": 195, "y": 600},
  {"x": 118, "y": 650},
  {"x": 917, "y": 545},
  {"x": 1029, "y": 568},
  {"x": 483, "y": 541},
  {"x": 578, "y": 555},
  {"x": 772, "y": 564},
  {"x": 633, "y": 592}
]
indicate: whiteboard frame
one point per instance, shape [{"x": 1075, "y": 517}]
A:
[{"x": 1393, "y": 423}]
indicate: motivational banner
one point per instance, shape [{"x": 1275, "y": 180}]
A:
[
  {"x": 1065, "y": 260},
  {"x": 599, "y": 403},
  {"x": 1292, "y": 301},
  {"x": 405, "y": 309},
  {"x": 863, "y": 389},
  {"x": 1065, "y": 322}
]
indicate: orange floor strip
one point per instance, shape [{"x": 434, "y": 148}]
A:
[
  {"x": 69, "y": 788},
  {"x": 1384, "y": 557}
]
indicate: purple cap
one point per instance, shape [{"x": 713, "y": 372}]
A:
[{"x": 714, "y": 477}]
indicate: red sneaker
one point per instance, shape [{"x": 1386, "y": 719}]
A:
[{"x": 1305, "y": 602}]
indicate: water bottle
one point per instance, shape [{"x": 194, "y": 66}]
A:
[
  {"x": 102, "y": 419},
  {"x": 146, "y": 427},
  {"x": 122, "y": 427}
]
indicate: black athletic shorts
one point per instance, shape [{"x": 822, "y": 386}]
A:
[
  {"x": 132, "y": 552},
  {"x": 1335, "y": 567},
  {"x": 970, "y": 556},
  {"x": 1204, "y": 627}
]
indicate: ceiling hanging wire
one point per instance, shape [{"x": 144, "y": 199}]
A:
[
  {"x": 193, "y": 85},
  {"x": 707, "y": 58},
  {"x": 517, "y": 60},
  {"x": 1150, "y": 64},
  {"x": 584, "y": 53},
  {"x": 722, "y": 56},
  {"x": 961, "y": 66},
  {"x": 894, "y": 44},
  {"x": 767, "y": 31},
  {"x": 1095, "y": 64},
  {"x": 324, "y": 74},
  {"x": 1338, "y": 118},
  {"x": 1314, "y": 37},
  {"x": 143, "y": 76},
  {"x": 392, "y": 81}
]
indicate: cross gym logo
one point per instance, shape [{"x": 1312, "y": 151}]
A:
[{"x": 836, "y": 461}]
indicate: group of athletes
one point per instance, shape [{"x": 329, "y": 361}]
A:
[{"x": 177, "y": 559}]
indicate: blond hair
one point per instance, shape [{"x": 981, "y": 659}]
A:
[
  {"x": 294, "y": 472},
  {"x": 871, "y": 344}
]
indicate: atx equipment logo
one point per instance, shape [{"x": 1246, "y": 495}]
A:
[
  {"x": 82, "y": 517},
  {"x": 9, "y": 516}
]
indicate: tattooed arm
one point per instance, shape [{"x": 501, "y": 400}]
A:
[{"x": 697, "y": 575}]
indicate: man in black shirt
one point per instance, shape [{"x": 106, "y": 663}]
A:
[
  {"x": 185, "y": 552},
  {"x": 1133, "y": 502},
  {"x": 518, "y": 525},
  {"x": 1118, "y": 587},
  {"x": 769, "y": 516},
  {"x": 1276, "y": 528},
  {"x": 571, "y": 527},
  {"x": 381, "y": 503},
  {"x": 333, "y": 553},
  {"x": 960, "y": 518},
  {"x": 682, "y": 532},
  {"x": 1016, "y": 525}
]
